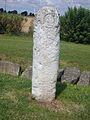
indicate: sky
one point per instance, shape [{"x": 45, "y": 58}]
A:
[{"x": 35, "y": 5}]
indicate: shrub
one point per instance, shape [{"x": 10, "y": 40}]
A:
[
  {"x": 10, "y": 23},
  {"x": 75, "y": 25}
]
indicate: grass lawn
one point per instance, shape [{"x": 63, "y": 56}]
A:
[
  {"x": 73, "y": 102},
  {"x": 18, "y": 49}
]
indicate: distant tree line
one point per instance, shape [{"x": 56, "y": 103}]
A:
[
  {"x": 75, "y": 25},
  {"x": 24, "y": 13}
]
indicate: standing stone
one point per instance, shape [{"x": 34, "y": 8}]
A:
[{"x": 45, "y": 54}]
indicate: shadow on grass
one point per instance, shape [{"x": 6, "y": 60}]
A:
[{"x": 60, "y": 87}]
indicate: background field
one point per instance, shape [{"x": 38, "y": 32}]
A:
[{"x": 18, "y": 49}]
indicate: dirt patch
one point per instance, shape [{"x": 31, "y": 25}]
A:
[
  {"x": 55, "y": 106},
  {"x": 58, "y": 105},
  {"x": 27, "y": 24},
  {"x": 3, "y": 57}
]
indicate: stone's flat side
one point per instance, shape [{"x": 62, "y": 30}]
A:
[
  {"x": 9, "y": 68},
  {"x": 45, "y": 54},
  {"x": 84, "y": 78},
  {"x": 71, "y": 75},
  {"x": 27, "y": 73}
]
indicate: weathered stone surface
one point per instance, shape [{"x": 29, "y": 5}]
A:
[
  {"x": 71, "y": 75},
  {"x": 27, "y": 73},
  {"x": 45, "y": 54},
  {"x": 84, "y": 78},
  {"x": 60, "y": 73},
  {"x": 9, "y": 68}
]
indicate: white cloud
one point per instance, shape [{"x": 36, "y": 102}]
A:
[
  {"x": 30, "y": 5},
  {"x": 49, "y": 2}
]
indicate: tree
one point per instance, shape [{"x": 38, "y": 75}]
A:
[
  {"x": 13, "y": 12},
  {"x": 25, "y": 13},
  {"x": 75, "y": 25},
  {"x": 1, "y": 10},
  {"x": 31, "y": 14}
]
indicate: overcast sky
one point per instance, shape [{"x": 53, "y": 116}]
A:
[{"x": 34, "y": 5}]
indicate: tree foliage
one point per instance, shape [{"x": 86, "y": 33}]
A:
[
  {"x": 31, "y": 14},
  {"x": 1, "y": 10},
  {"x": 75, "y": 25},
  {"x": 25, "y": 13},
  {"x": 13, "y": 12}
]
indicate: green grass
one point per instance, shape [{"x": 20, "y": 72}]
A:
[
  {"x": 77, "y": 55},
  {"x": 16, "y": 49},
  {"x": 19, "y": 49},
  {"x": 73, "y": 102}
]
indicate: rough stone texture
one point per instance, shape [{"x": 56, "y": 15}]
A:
[
  {"x": 71, "y": 75},
  {"x": 84, "y": 78},
  {"x": 9, "y": 68},
  {"x": 27, "y": 73},
  {"x": 45, "y": 54},
  {"x": 60, "y": 73}
]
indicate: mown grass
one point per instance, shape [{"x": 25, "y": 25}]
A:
[
  {"x": 73, "y": 102},
  {"x": 19, "y": 49},
  {"x": 75, "y": 55},
  {"x": 16, "y": 49}
]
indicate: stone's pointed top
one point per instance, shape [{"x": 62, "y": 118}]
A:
[
  {"x": 47, "y": 16},
  {"x": 48, "y": 9}
]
